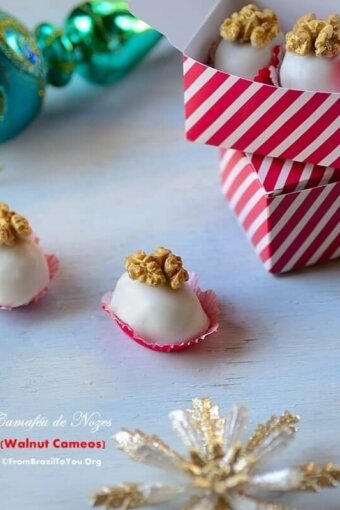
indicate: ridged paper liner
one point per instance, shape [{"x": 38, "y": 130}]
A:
[{"x": 208, "y": 301}]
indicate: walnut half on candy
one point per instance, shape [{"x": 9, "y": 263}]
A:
[
  {"x": 145, "y": 269},
  {"x": 157, "y": 268},
  {"x": 13, "y": 226},
  {"x": 312, "y": 36},
  {"x": 251, "y": 25}
]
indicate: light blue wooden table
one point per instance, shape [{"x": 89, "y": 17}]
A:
[{"x": 102, "y": 173}]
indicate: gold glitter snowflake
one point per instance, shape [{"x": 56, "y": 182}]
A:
[{"x": 220, "y": 472}]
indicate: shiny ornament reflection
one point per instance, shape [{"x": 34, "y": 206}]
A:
[{"x": 110, "y": 39}]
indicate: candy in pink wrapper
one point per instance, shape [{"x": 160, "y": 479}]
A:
[
  {"x": 25, "y": 271},
  {"x": 159, "y": 304},
  {"x": 248, "y": 38},
  {"x": 312, "y": 59}
]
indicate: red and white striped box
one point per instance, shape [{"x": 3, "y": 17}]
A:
[
  {"x": 289, "y": 211},
  {"x": 292, "y": 129},
  {"x": 232, "y": 112}
]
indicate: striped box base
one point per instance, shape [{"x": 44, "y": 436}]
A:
[{"x": 288, "y": 230}]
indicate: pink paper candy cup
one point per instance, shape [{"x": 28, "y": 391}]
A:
[{"x": 209, "y": 303}]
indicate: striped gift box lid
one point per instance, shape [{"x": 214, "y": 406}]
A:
[
  {"x": 231, "y": 112},
  {"x": 228, "y": 111},
  {"x": 280, "y": 176}
]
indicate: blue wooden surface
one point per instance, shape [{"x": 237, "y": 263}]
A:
[{"x": 101, "y": 173}]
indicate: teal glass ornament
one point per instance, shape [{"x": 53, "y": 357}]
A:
[
  {"x": 110, "y": 41},
  {"x": 2, "y": 104},
  {"x": 22, "y": 77}
]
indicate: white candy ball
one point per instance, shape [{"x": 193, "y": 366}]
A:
[
  {"x": 309, "y": 72},
  {"x": 24, "y": 273},
  {"x": 159, "y": 314},
  {"x": 242, "y": 59}
]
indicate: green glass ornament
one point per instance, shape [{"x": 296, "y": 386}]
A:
[
  {"x": 58, "y": 52},
  {"x": 22, "y": 77},
  {"x": 101, "y": 40},
  {"x": 109, "y": 39}
]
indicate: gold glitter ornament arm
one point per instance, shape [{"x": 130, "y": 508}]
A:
[
  {"x": 283, "y": 480},
  {"x": 150, "y": 450},
  {"x": 236, "y": 424},
  {"x": 319, "y": 477},
  {"x": 204, "y": 503},
  {"x": 130, "y": 495},
  {"x": 243, "y": 502},
  {"x": 272, "y": 434},
  {"x": 200, "y": 428},
  {"x": 306, "y": 478}
]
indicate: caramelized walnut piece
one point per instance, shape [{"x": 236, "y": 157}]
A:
[
  {"x": 299, "y": 42},
  {"x": 7, "y": 237},
  {"x": 13, "y": 226},
  {"x": 312, "y": 36},
  {"x": 4, "y": 210},
  {"x": 175, "y": 273},
  {"x": 21, "y": 225},
  {"x": 160, "y": 254},
  {"x": 144, "y": 268},
  {"x": 158, "y": 268},
  {"x": 334, "y": 20},
  {"x": 251, "y": 25}
]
